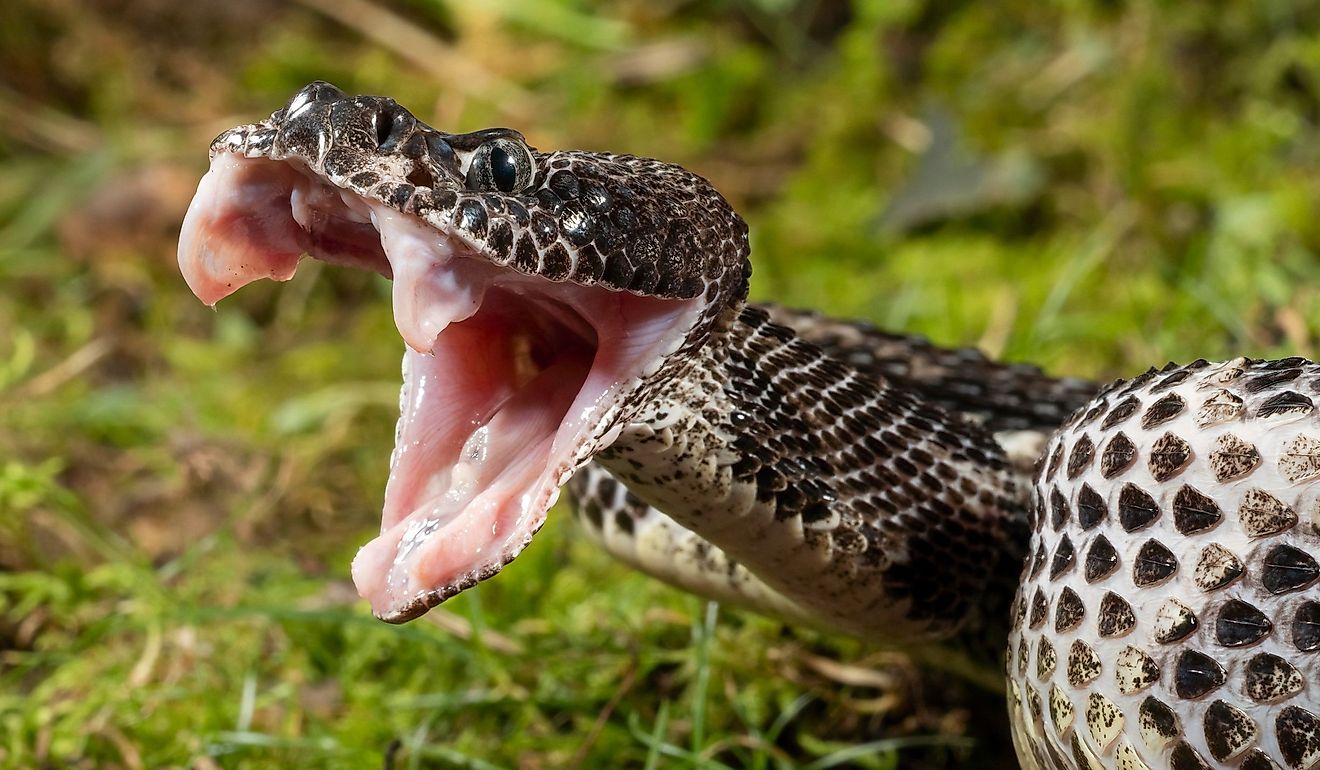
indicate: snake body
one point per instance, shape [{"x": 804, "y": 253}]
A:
[
  {"x": 817, "y": 470},
  {"x": 1168, "y": 612}
]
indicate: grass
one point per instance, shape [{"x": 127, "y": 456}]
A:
[{"x": 1093, "y": 186}]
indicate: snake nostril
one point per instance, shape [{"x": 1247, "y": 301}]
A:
[
  {"x": 393, "y": 124},
  {"x": 420, "y": 177}
]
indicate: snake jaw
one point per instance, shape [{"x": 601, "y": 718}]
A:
[{"x": 511, "y": 381}]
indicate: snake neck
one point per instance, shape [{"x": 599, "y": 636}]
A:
[{"x": 886, "y": 516}]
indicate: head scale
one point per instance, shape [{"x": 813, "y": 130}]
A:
[{"x": 625, "y": 223}]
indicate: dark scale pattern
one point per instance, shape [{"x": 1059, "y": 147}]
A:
[
  {"x": 836, "y": 439},
  {"x": 1257, "y": 760},
  {"x": 871, "y": 472},
  {"x": 1163, "y": 410},
  {"x": 1194, "y": 512},
  {"x": 1298, "y": 733},
  {"x": 1287, "y": 568},
  {"x": 1229, "y": 731},
  {"x": 1180, "y": 374},
  {"x": 1119, "y": 455},
  {"x": 1136, "y": 508},
  {"x": 1154, "y": 564},
  {"x": 1091, "y": 508},
  {"x": 1080, "y": 457},
  {"x": 1037, "y": 562},
  {"x": 1115, "y": 617},
  {"x": 1285, "y": 404},
  {"x": 1101, "y": 559},
  {"x": 1002, "y": 396},
  {"x": 1064, "y": 558},
  {"x": 1121, "y": 411},
  {"x": 1306, "y": 627},
  {"x": 1068, "y": 611},
  {"x": 1184, "y": 757},
  {"x": 1240, "y": 624},
  {"x": 1040, "y": 609},
  {"x": 1059, "y": 509},
  {"x": 1056, "y": 461},
  {"x": 1191, "y": 621},
  {"x": 1197, "y": 674},
  {"x": 1267, "y": 678}
]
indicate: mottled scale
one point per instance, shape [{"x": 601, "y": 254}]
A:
[
  {"x": 1263, "y": 514},
  {"x": 1135, "y": 670},
  {"x": 1229, "y": 730},
  {"x": 1301, "y": 458},
  {"x": 1195, "y": 532},
  {"x": 1297, "y": 730},
  {"x": 1104, "y": 721},
  {"x": 1101, "y": 559},
  {"x": 1083, "y": 664},
  {"x": 1174, "y": 621},
  {"x": 1232, "y": 458},
  {"x": 1268, "y": 677}
]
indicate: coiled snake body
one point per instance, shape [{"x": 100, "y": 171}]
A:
[{"x": 572, "y": 310}]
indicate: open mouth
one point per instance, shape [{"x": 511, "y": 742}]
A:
[{"x": 510, "y": 381}]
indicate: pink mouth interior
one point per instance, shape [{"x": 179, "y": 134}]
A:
[{"x": 510, "y": 382}]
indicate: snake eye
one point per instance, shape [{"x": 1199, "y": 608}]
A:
[{"x": 500, "y": 164}]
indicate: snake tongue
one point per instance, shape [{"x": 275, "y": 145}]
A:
[{"x": 511, "y": 381}]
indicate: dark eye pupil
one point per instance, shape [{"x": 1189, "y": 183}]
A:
[{"x": 502, "y": 169}]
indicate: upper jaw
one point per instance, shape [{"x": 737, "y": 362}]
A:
[{"x": 625, "y": 223}]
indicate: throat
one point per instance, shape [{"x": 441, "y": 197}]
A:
[{"x": 878, "y": 512}]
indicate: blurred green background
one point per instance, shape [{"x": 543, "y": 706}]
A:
[{"x": 1096, "y": 186}]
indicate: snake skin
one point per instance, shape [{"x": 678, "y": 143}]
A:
[
  {"x": 880, "y": 512},
  {"x": 618, "y": 221},
  {"x": 1167, "y": 616},
  {"x": 1008, "y": 398},
  {"x": 1001, "y": 396}
]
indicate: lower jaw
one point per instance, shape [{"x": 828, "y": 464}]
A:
[{"x": 480, "y": 453}]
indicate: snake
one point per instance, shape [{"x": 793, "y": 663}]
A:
[{"x": 1137, "y": 560}]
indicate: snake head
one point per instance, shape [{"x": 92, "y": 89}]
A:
[{"x": 537, "y": 293}]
